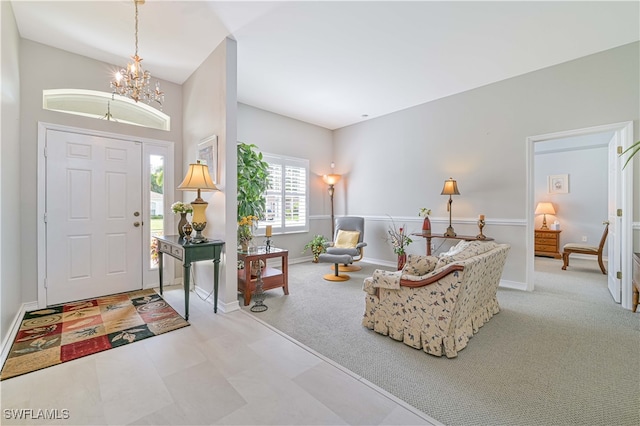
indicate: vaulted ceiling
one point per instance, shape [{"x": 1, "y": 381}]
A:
[{"x": 335, "y": 63}]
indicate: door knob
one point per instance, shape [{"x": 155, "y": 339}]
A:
[
  {"x": 136, "y": 224},
  {"x": 136, "y": 214}
]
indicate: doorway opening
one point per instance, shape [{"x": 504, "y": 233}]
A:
[
  {"x": 95, "y": 206},
  {"x": 619, "y": 199}
]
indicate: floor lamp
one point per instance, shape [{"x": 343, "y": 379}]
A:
[
  {"x": 450, "y": 188},
  {"x": 331, "y": 180}
]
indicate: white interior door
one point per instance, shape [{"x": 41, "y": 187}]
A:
[
  {"x": 93, "y": 216},
  {"x": 614, "y": 255}
]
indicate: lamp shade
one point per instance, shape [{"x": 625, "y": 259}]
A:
[
  {"x": 450, "y": 187},
  {"x": 545, "y": 208},
  {"x": 197, "y": 177},
  {"x": 331, "y": 179}
]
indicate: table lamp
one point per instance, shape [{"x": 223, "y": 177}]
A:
[
  {"x": 198, "y": 179},
  {"x": 545, "y": 208},
  {"x": 450, "y": 188}
]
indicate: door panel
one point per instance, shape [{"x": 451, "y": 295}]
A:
[{"x": 93, "y": 190}]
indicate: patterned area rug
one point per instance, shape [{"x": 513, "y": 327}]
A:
[{"x": 62, "y": 333}]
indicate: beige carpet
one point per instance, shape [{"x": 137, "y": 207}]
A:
[{"x": 565, "y": 354}]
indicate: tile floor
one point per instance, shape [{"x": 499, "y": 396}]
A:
[{"x": 225, "y": 369}]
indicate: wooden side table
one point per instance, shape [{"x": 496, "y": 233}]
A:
[
  {"x": 547, "y": 243},
  {"x": 271, "y": 277},
  {"x": 429, "y": 236},
  {"x": 176, "y": 247}
]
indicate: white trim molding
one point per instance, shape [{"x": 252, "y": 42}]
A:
[{"x": 15, "y": 327}]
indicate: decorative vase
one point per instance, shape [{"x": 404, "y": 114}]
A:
[
  {"x": 245, "y": 246},
  {"x": 426, "y": 225},
  {"x": 183, "y": 221},
  {"x": 402, "y": 259},
  {"x": 187, "y": 229}
]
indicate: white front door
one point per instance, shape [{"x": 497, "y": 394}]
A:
[{"x": 93, "y": 216}]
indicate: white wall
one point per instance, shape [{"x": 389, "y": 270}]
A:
[
  {"x": 10, "y": 215},
  {"x": 210, "y": 104},
  {"x": 397, "y": 163},
  {"x": 582, "y": 210},
  {"x": 276, "y": 134},
  {"x": 43, "y": 67}
]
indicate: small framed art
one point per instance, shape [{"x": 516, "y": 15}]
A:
[
  {"x": 208, "y": 154},
  {"x": 558, "y": 184}
]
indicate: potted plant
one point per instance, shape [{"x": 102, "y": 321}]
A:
[
  {"x": 399, "y": 239},
  {"x": 426, "y": 223},
  {"x": 317, "y": 246},
  {"x": 245, "y": 231},
  {"x": 182, "y": 209},
  {"x": 253, "y": 181}
]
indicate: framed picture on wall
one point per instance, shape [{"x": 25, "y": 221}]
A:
[
  {"x": 558, "y": 184},
  {"x": 208, "y": 154}
]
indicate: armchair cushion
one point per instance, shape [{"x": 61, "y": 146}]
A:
[
  {"x": 464, "y": 250},
  {"x": 386, "y": 279},
  {"x": 347, "y": 239}
]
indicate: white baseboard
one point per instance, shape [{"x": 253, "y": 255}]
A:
[
  {"x": 380, "y": 262},
  {"x": 223, "y": 307},
  {"x": 516, "y": 285},
  {"x": 15, "y": 327}
]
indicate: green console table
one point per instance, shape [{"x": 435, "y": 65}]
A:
[{"x": 175, "y": 246}]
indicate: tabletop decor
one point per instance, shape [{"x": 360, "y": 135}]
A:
[
  {"x": 62, "y": 333},
  {"x": 450, "y": 188},
  {"x": 198, "y": 179},
  {"x": 481, "y": 236},
  {"x": 182, "y": 209},
  {"x": 268, "y": 233},
  {"x": 426, "y": 223},
  {"x": 399, "y": 240},
  {"x": 245, "y": 231},
  {"x": 258, "y": 295}
]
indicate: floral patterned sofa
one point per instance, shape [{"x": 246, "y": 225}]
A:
[{"x": 437, "y": 303}]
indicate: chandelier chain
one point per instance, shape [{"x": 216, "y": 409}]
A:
[{"x": 135, "y": 2}]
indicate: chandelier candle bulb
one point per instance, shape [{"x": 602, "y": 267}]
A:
[{"x": 268, "y": 231}]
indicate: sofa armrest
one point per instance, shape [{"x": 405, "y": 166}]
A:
[{"x": 432, "y": 278}]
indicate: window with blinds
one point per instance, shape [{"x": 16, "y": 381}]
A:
[{"x": 288, "y": 195}]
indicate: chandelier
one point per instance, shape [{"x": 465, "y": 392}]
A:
[{"x": 134, "y": 82}]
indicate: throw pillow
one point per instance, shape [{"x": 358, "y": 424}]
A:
[
  {"x": 419, "y": 264},
  {"x": 347, "y": 239}
]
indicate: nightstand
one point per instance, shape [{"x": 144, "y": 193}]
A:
[{"x": 547, "y": 243}]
